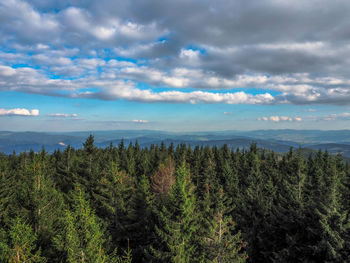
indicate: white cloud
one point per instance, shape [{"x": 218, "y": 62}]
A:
[
  {"x": 109, "y": 88},
  {"x": 63, "y": 115},
  {"x": 76, "y": 18},
  {"x": 285, "y": 118},
  {"x": 21, "y": 19},
  {"x": 120, "y": 64},
  {"x": 6, "y": 71},
  {"x": 48, "y": 59},
  {"x": 155, "y": 76},
  {"x": 79, "y": 22},
  {"x": 277, "y": 118},
  {"x": 189, "y": 54},
  {"x": 335, "y": 116},
  {"x": 310, "y": 68},
  {"x": 103, "y": 33},
  {"x": 138, "y": 31},
  {"x": 19, "y": 112},
  {"x": 128, "y": 92},
  {"x": 42, "y": 46},
  {"x": 31, "y": 80},
  {"x": 297, "y": 46},
  {"x": 140, "y": 121}
]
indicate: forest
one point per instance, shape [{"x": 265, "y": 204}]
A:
[{"x": 180, "y": 204}]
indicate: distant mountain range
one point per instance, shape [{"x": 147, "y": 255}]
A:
[{"x": 277, "y": 140}]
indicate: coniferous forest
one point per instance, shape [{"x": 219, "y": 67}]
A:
[{"x": 177, "y": 204}]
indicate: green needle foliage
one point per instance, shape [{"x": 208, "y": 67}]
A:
[
  {"x": 222, "y": 244},
  {"x": 177, "y": 224},
  {"x": 133, "y": 204},
  {"x": 21, "y": 245},
  {"x": 82, "y": 239}
]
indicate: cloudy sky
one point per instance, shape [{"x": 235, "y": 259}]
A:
[{"x": 174, "y": 65}]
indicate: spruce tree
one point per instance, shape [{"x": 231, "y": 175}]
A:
[
  {"x": 140, "y": 224},
  {"x": 163, "y": 179},
  {"x": 82, "y": 238},
  {"x": 21, "y": 245},
  {"x": 176, "y": 227},
  {"x": 44, "y": 203},
  {"x": 221, "y": 242}
]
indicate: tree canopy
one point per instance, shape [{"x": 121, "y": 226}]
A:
[{"x": 175, "y": 204}]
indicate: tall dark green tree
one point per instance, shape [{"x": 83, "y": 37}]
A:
[
  {"x": 140, "y": 224},
  {"x": 82, "y": 239},
  {"x": 222, "y": 242},
  {"x": 177, "y": 225}
]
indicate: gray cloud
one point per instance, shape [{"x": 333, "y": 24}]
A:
[{"x": 298, "y": 50}]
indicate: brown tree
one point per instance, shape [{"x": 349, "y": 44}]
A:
[{"x": 164, "y": 178}]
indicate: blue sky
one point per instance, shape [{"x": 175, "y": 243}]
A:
[{"x": 174, "y": 65}]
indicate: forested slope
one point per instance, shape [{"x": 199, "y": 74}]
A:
[{"x": 165, "y": 204}]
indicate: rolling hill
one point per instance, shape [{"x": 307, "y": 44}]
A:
[{"x": 276, "y": 140}]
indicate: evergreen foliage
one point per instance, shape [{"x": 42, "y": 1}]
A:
[
  {"x": 82, "y": 239},
  {"x": 177, "y": 225},
  {"x": 173, "y": 204},
  {"x": 21, "y": 245}
]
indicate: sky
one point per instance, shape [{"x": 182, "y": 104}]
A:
[{"x": 184, "y": 65}]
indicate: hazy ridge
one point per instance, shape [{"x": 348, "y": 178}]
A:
[{"x": 337, "y": 141}]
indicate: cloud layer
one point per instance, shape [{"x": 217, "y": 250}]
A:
[
  {"x": 277, "y": 118},
  {"x": 19, "y": 112},
  {"x": 63, "y": 115},
  {"x": 250, "y": 52}
]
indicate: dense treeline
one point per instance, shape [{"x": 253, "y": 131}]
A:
[{"x": 167, "y": 204}]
